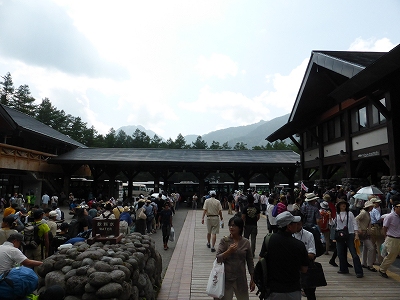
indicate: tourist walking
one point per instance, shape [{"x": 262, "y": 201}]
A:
[{"x": 212, "y": 209}]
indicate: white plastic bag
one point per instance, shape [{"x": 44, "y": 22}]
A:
[
  {"x": 172, "y": 235},
  {"x": 216, "y": 281}
]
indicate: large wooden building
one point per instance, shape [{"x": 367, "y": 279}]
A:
[{"x": 346, "y": 116}]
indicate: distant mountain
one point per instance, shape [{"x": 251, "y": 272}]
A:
[
  {"x": 251, "y": 135},
  {"x": 129, "y": 130}
]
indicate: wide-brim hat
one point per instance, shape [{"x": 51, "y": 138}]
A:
[
  {"x": 368, "y": 204},
  {"x": 126, "y": 208},
  {"x": 375, "y": 200},
  {"x": 340, "y": 202},
  {"x": 327, "y": 197},
  {"x": 324, "y": 205},
  {"x": 311, "y": 197},
  {"x": 148, "y": 201}
]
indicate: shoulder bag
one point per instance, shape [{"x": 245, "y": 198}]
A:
[{"x": 342, "y": 234}]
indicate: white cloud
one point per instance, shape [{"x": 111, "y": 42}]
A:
[
  {"x": 371, "y": 44},
  {"x": 218, "y": 65},
  {"x": 239, "y": 109}
]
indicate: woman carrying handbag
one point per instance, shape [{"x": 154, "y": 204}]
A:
[{"x": 346, "y": 231}]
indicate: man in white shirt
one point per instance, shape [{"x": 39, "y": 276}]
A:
[
  {"x": 308, "y": 240},
  {"x": 11, "y": 256}
]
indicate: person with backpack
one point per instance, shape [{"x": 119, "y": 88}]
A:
[
  {"x": 323, "y": 224},
  {"x": 11, "y": 255},
  {"x": 271, "y": 220},
  {"x": 307, "y": 238},
  {"x": 36, "y": 237},
  {"x": 286, "y": 258},
  {"x": 251, "y": 215}
]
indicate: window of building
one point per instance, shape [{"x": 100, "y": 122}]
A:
[{"x": 366, "y": 117}]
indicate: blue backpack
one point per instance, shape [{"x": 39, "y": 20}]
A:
[{"x": 17, "y": 283}]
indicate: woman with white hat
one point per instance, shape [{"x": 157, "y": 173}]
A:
[{"x": 364, "y": 229}]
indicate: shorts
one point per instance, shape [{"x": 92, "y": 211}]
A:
[{"x": 213, "y": 225}]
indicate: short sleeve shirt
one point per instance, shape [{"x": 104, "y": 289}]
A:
[
  {"x": 10, "y": 256},
  {"x": 251, "y": 213},
  {"x": 212, "y": 206},
  {"x": 392, "y": 223}
]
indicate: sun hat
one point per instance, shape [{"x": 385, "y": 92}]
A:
[
  {"x": 327, "y": 197},
  {"x": 324, "y": 205},
  {"x": 375, "y": 200},
  {"x": 126, "y": 209},
  {"x": 53, "y": 213},
  {"x": 285, "y": 218},
  {"x": 311, "y": 197},
  {"x": 368, "y": 204}
]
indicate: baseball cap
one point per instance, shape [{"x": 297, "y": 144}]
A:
[
  {"x": 16, "y": 236},
  {"x": 285, "y": 218},
  {"x": 212, "y": 193},
  {"x": 37, "y": 213}
]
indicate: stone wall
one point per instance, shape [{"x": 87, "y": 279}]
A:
[
  {"x": 130, "y": 270},
  {"x": 354, "y": 182},
  {"x": 387, "y": 181}
]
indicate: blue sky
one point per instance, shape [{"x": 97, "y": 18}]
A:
[{"x": 187, "y": 67}]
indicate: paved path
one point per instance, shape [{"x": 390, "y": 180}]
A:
[{"x": 190, "y": 265}]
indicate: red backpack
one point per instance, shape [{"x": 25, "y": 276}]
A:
[{"x": 323, "y": 223}]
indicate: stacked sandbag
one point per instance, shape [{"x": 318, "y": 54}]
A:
[
  {"x": 354, "y": 183},
  {"x": 128, "y": 270},
  {"x": 388, "y": 181}
]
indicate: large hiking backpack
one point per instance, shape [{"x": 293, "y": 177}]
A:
[
  {"x": 261, "y": 273},
  {"x": 73, "y": 228},
  {"x": 31, "y": 236},
  {"x": 17, "y": 283}
]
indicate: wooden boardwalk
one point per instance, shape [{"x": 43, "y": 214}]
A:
[{"x": 191, "y": 263}]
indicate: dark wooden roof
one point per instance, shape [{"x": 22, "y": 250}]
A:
[
  {"x": 326, "y": 71},
  {"x": 13, "y": 120},
  {"x": 218, "y": 159}
]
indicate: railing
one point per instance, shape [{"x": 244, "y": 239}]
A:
[{"x": 23, "y": 153}]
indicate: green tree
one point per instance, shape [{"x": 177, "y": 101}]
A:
[
  {"x": 180, "y": 142},
  {"x": 140, "y": 139},
  {"x": 225, "y": 146},
  {"x": 48, "y": 114},
  {"x": 23, "y": 101},
  {"x": 7, "y": 90},
  {"x": 240, "y": 146},
  {"x": 121, "y": 140},
  {"x": 110, "y": 139},
  {"x": 170, "y": 144},
  {"x": 199, "y": 143},
  {"x": 156, "y": 142},
  {"x": 215, "y": 146}
]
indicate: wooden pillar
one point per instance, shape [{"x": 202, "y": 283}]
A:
[
  {"x": 201, "y": 175},
  {"x": 393, "y": 129}
]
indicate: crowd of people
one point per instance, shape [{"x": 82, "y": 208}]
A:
[
  {"x": 145, "y": 215},
  {"x": 337, "y": 219}
]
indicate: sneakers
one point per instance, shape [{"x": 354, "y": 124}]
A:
[
  {"x": 343, "y": 272},
  {"x": 208, "y": 245},
  {"x": 384, "y": 275},
  {"x": 359, "y": 275},
  {"x": 212, "y": 249}
]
